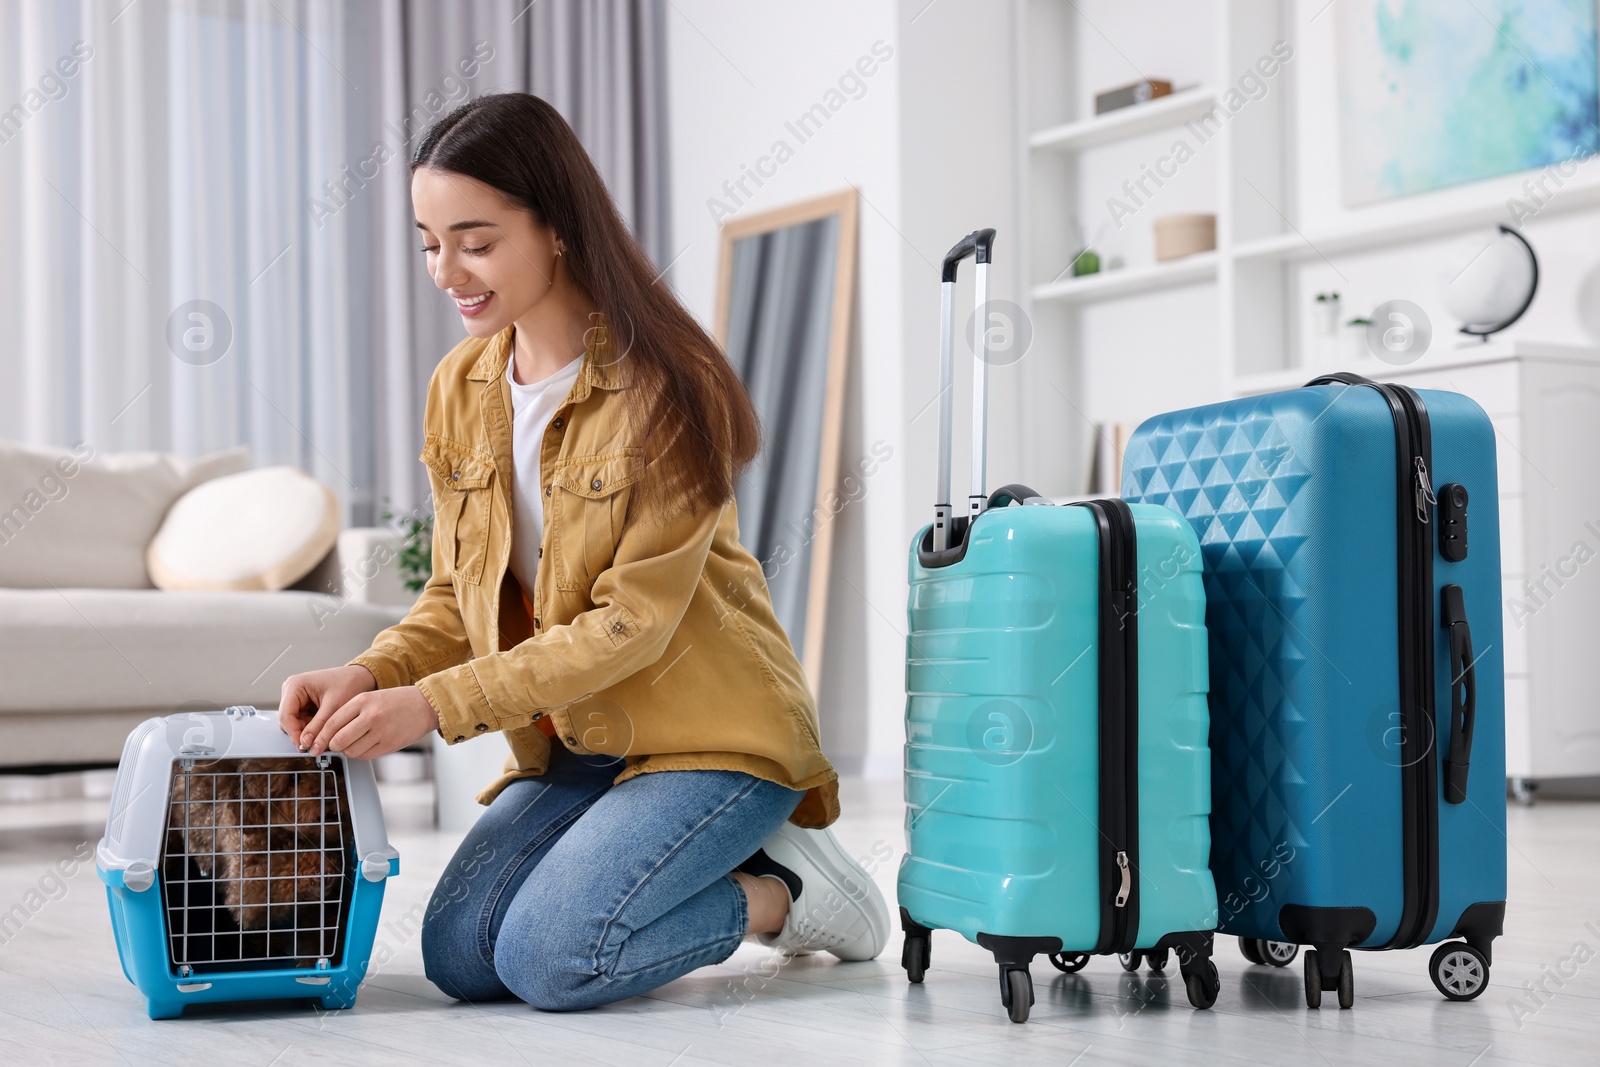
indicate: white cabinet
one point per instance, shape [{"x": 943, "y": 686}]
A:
[{"x": 1544, "y": 401}]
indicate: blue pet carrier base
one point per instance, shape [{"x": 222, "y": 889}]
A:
[{"x": 133, "y": 861}]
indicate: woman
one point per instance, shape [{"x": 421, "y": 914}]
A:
[{"x": 666, "y": 796}]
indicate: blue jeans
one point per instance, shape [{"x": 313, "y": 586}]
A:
[{"x": 571, "y": 892}]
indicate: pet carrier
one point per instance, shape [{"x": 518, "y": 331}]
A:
[{"x": 237, "y": 867}]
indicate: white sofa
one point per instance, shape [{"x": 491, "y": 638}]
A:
[
  {"x": 83, "y": 664},
  {"x": 82, "y": 667}
]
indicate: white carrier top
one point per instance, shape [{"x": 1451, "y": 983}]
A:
[{"x": 138, "y": 820}]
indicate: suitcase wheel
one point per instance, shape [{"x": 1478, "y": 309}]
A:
[
  {"x": 1274, "y": 953},
  {"x": 1203, "y": 984},
  {"x": 1130, "y": 960},
  {"x": 1458, "y": 970},
  {"x": 1278, "y": 953},
  {"x": 1344, "y": 982},
  {"x": 1070, "y": 962},
  {"x": 1157, "y": 960},
  {"x": 915, "y": 954},
  {"x": 1016, "y": 992}
]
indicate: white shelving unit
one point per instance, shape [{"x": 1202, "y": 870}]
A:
[
  {"x": 1066, "y": 155},
  {"x": 1127, "y": 122},
  {"x": 1125, "y": 282},
  {"x": 1424, "y": 224},
  {"x": 1238, "y": 319}
]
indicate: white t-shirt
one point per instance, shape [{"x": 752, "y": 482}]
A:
[{"x": 531, "y": 408}]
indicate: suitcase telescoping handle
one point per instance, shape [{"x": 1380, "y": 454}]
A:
[
  {"x": 1463, "y": 692},
  {"x": 979, "y": 244}
]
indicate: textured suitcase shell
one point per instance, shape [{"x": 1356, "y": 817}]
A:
[
  {"x": 1001, "y": 755},
  {"x": 1293, "y": 498}
]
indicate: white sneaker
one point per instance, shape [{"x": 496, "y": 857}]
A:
[{"x": 834, "y": 906}]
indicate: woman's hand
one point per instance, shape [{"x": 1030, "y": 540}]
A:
[
  {"x": 373, "y": 724},
  {"x": 304, "y": 695}
]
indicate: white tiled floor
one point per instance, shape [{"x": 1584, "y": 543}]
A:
[{"x": 63, "y": 999}]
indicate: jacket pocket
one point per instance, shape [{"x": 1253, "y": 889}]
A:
[
  {"x": 587, "y": 507},
  {"x": 460, "y": 505}
]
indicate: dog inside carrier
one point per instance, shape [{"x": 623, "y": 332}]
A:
[
  {"x": 256, "y": 872},
  {"x": 239, "y": 868}
]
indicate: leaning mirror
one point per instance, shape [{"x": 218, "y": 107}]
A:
[{"x": 784, "y": 289}]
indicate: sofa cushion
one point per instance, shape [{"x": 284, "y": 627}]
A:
[
  {"x": 83, "y": 518},
  {"x": 263, "y": 529},
  {"x": 69, "y": 650}
]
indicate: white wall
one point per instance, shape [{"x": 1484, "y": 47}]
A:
[
  {"x": 737, "y": 74},
  {"x": 957, "y": 130}
]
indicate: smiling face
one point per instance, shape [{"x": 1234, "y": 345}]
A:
[{"x": 495, "y": 260}]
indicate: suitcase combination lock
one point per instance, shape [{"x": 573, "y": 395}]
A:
[{"x": 1453, "y": 522}]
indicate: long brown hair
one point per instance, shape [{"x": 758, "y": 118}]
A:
[{"x": 685, "y": 402}]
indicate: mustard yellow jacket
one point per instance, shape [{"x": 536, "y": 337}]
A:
[{"x": 651, "y": 638}]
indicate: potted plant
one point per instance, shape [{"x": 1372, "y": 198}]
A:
[
  {"x": 1353, "y": 344},
  {"x": 1327, "y": 314},
  {"x": 1087, "y": 259},
  {"x": 416, "y": 545}
]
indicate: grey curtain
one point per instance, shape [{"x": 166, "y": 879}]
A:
[
  {"x": 248, "y": 158},
  {"x": 780, "y": 313}
]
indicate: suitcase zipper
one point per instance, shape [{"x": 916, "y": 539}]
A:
[
  {"x": 1425, "y": 497},
  {"x": 1418, "y": 775},
  {"x": 1118, "y": 724}
]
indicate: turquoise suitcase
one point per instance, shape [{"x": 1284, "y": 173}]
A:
[{"x": 1057, "y": 775}]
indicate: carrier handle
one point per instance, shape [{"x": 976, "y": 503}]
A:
[
  {"x": 978, "y": 244},
  {"x": 1006, "y": 495},
  {"x": 1463, "y": 692}
]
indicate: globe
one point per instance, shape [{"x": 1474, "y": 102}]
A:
[{"x": 1486, "y": 279}]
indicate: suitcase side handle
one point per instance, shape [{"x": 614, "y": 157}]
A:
[
  {"x": 1463, "y": 692},
  {"x": 978, "y": 244},
  {"x": 1342, "y": 377}
]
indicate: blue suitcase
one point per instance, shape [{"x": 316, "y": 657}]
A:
[
  {"x": 1350, "y": 534},
  {"x": 1056, "y": 773}
]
